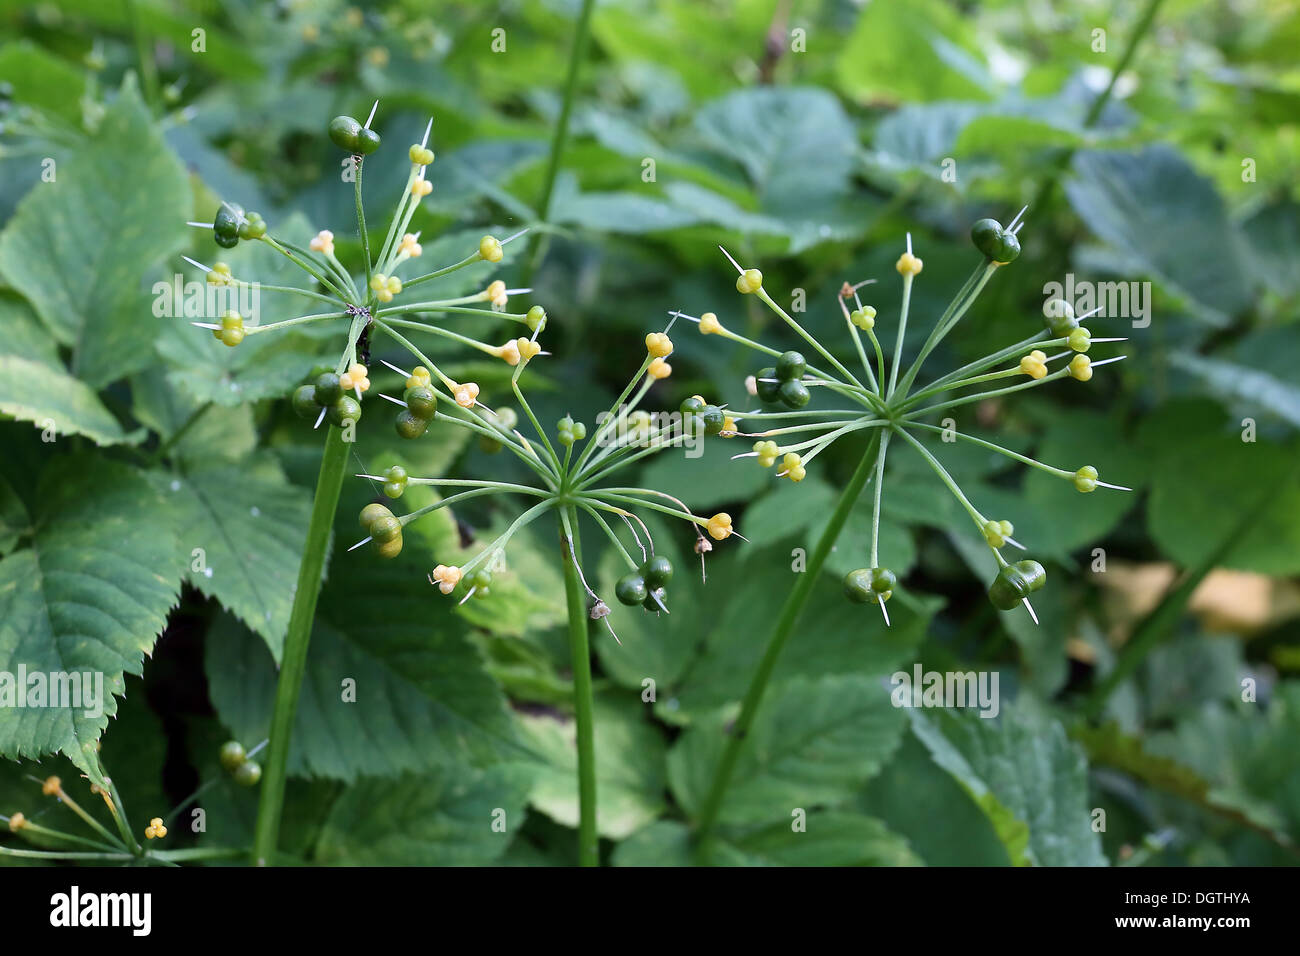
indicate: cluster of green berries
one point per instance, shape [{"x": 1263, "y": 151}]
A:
[
  {"x": 421, "y": 404},
  {"x": 647, "y": 585},
  {"x": 711, "y": 417},
  {"x": 384, "y": 529},
  {"x": 395, "y": 479},
  {"x": 783, "y": 382},
  {"x": 348, "y": 134},
  {"x": 327, "y": 391},
  {"x": 245, "y": 771},
  {"x": 569, "y": 431},
  {"x": 870, "y": 585},
  {"x": 231, "y": 224},
  {"x": 998, "y": 244},
  {"x": 232, "y": 329}
]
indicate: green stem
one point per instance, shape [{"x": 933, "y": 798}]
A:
[
  {"x": 361, "y": 225},
  {"x": 789, "y": 616},
  {"x": 294, "y": 659},
  {"x": 148, "y": 69},
  {"x": 588, "y": 838}
]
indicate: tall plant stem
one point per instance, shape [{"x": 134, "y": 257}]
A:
[
  {"x": 294, "y": 659},
  {"x": 789, "y": 616},
  {"x": 588, "y": 838},
  {"x": 576, "y": 54}
]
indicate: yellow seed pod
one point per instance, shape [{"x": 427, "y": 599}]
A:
[
  {"x": 751, "y": 280},
  {"x": 17, "y": 822},
  {"x": 659, "y": 369},
  {"x": 419, "y": 376},
  {"x": 489, "y": 248},
  {"x": 728, "y": 427},
  {"x": 709, "y": 324},
  {"x": 908, "y": 265},
  {"x": 509, "y": 352},
  {"x": 394, "y": 284},
  {"x": 719, "y": 526},
  {"x": 1080, "y": 367},
  {"x": 421, "y": 188},
  {"x": 51, "y": 786},
  {"x": 527, "y": 347},
  {"x": 465, "y": 395},
  {"x": 149, "y": 833},
  {"x": 864, "y": 318},
  {"x": 659, "y": 345},
  {"x": 391, "y": 548}
]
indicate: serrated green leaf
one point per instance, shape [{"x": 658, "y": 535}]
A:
[
  {"x": 77, "y": 247},
  {"x": 455, "y": 817},
  {"x": 33, "y": 392},
  {"x": 90, "y": 595},
  {"x": 1026, "y": 776},
  {"x": 812, "y": 744},
  {"x": 630, "y": 770},
  {"x": 244, "y": 528}
]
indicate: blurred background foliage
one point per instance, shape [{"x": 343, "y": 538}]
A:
[{"x": 807, "y": 137}]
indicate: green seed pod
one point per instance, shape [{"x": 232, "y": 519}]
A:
[
  {"x": 344, "y": 131},
  {"x": 794, "y": 393},
  {"x": 394, "y": 489},
  {"x": 655, "y": 600},
  {"x": 385, "y": 528},
  {"x": 422, "y": 402},
  {"x": 713, "y": 418},
  {"x": 657, "y": 571},
  {"x": 373, "y": 512},
  {"x": 790, "y": 365},
  {"x": 1015, "y": 582},
  {"x": 998, "y": 244},
  {"x": 691, "y": 406},
  {"x": 767, "y": 385},
  {"x": 304, "y": 402},
  {"x": 232, "y": 755},
  {"x": 408, "y": 426},
  {"x": 481, "y": 582},
  {"x": 536, "y": 318},
  {"x": 389, "y": 549},
  {"x": 346, "y": 409},
  {"x": 328, "y": 389},
  {"x": 367, "y": 141},
  {"x": 248, "y": 773},
  {"x": 631, "y": 589},
  {"x": 870, "y": 585},
  {"x": 253, "y": 227},
  {"x": 1058, "y": 318},
  {"x": 225, "y": 224}
]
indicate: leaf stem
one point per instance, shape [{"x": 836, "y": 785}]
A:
[
  {"x": 789, "y": 616},
  {"x": 575, "y": 593}
]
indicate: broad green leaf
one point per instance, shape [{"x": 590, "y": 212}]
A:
[
  {"x": 812, "y": 744},
  {"x": 630, "y": 773},
  {"x": 1026, "y": 776},
  {"x": 829, "y": 838},
  {"x": 908, "y": 50},
  {"x": 244, "y": 528},
  {"x": 89, "y": 597},
  {"x": 43, "y": 80},
  {"x": 423, "y": 698},
  {"x": 51, "y": 398},
  {"x": 1167, "y": 221},
  {"x": 1244, "y": 387},
  {"x": 80, "y": 247},
  {"x": 456, "y": 816}
]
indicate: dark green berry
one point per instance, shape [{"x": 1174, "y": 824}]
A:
[
  {"x": 767, "y": 385},
  {"x": 422, "y": 402},
  {"x": 328, "y": 389},
  {"x": 631, "y": 589},
  {"x": 654, "y": 601},
  {"x": 232, "y": 755},
  {"x": 248, "y": 773},
  {"x": 794, "y": 393},
  {"x": 691, "y": 406},
  {"x": 304, "y": 401},
  {"x": 1015, "y": 582},
  {"x": 408, "y": 426},
  {"x": 998, "y": 244},
  {"x": 346, "y": 409},
  {"x": 869, "y": 585},
  {"x": 344, "y": 131},
  {"x": 225, "y": 224},
  {"x": 790, "y": 365},
  {"x": 657, "y": 571},
  {"x": 713, "y": 418}
]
